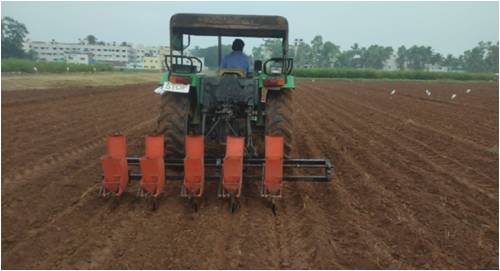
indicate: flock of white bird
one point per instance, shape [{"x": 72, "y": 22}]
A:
[{"x": 429, "y": 93}]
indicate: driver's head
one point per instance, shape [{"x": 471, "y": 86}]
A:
[{"x": 238, "y": 45}]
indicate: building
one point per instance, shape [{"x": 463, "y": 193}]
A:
[
  {"x": 390, "y": 64},
  {"x": 57, "y": 52},
  {"x": 436, "y": 68},
  {"x": 117, "y": 55},
  {"x": 135, "y": 66},
  {"x": 77, "y": 58},
  {"x": 152, "y": 63}
]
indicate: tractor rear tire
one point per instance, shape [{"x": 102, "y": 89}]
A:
[
  {"x": 173, "y": 123},
  {"x": 279, "y": 116}
]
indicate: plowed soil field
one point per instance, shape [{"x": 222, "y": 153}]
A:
[{"x": 415, "y": 184}]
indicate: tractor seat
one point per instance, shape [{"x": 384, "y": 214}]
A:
[{"x": 232, "y": 71}]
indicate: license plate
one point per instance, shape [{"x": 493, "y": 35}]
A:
[{"x": 170, "y": 87}]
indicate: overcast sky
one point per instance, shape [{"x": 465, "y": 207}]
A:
[{"x": 449, "y": 27}]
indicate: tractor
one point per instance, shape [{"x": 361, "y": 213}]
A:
[
  {"x": 230, "y": 103},
  {"x": 250, "y": 114}
]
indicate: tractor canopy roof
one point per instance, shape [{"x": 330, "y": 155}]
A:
[{"x": 229, "y": 25}]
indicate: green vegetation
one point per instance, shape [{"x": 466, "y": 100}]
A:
[
  {"x": 28, "y": 66},
  {"x": 325, "y": 54},
  {"x": 210, "y": 54},
  {"x": 380, "y": 74},
  {"x": 13, "y": 34}
]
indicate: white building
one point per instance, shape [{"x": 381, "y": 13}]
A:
[
  {"x": 117, "y": 55},
  {"x": 435, "y": 68},
  {"x": 76, "y": 58},
  {"x": 391, "y": 64},
  {"x": 56, "y": 51},
  {"x": 141, "y": 56}
]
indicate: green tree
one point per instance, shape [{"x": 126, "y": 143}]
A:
[
  {"x": 91, "y": 39},
  {"x": 316, "y": 48},
  {"x": 302, "y": 54},
  {"x": 401, "y": 57},
  {"x": 273, "y": 48},
  {"x": 13, "y": 34},
  {"x": 257, "y": 53},
  {"x": 482, "y": 58},
  {"x": 347, "y": 59},
  {"x": 375, "y": 56},
  {"x": 453, "y": 63},
  {"x": 351, "y": 58},
  {"x": 328, "y": 54},
  {"x": 437, "y": 59},
  {"x": 474, "y": 59},
  {"x": 492, "y": 58},
  {"x": 418, "y": 56},
  {"x": 211, "y": 54}
]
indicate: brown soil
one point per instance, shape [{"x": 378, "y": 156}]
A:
[{"x": 415, "y": 184}]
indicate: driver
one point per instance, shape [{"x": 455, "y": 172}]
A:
[{"x": 237, "y": 59}]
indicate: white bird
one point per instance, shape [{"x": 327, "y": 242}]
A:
[
  {"x": 393, "y": 92},
  {"x": 468, "y": 91},
  {"x": 427, "y": 92},
  {"x": 35, "y": 69},
  {"x": 67, "y": 69},
  {"x": 453, "y": 96}
]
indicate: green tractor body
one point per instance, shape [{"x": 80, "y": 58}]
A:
[{"x": 232, "y": 102}]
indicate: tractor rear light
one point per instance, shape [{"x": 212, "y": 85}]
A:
[
  {"x": 274, "y": 82},
  {"x": 180, "y": 80}
]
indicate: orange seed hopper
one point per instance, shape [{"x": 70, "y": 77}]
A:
[
  {"x": 152, "y": 166},
  {"x": 114, "y": 166}
]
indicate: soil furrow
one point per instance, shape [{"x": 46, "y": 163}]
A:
[{"x": 415, "y": 184}]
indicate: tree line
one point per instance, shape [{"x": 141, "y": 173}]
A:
[
  {"x": 315, "y": 54},
  {"x": 324, "y": 54},
  {"x": 14, "y": 34}
]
